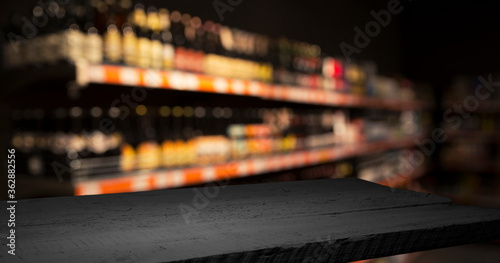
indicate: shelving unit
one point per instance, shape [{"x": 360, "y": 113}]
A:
[
  {"x": 146, "y": 181},
  {"x": 468, "y": 166},
  {"x": 87, "y": 74},
  {"x": 128, "y": 46},
  {"x": 130, "y": 76}
]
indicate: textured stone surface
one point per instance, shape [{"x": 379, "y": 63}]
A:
[{"x": 333, "y": 220}]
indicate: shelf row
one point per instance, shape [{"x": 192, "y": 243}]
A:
[
  {"x": 177, "y": 80},
  {"x": 483, "y": 106},
  {"x": 162, "y": 179},
  {"x": 474, "y": 136}
]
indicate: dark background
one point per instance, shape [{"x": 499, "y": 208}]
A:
[{"x": 428, "y": 41}]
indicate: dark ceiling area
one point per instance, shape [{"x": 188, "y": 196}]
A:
[
  {"x": 444, "y": 38},
  {"x": 427, "y": 41}
]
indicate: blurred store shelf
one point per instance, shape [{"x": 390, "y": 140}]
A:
[
  {"x": 85, "y": 74},
  {"x": 145, "y": 181}
]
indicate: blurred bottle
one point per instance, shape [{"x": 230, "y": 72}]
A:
[
  {"x": 189, "y": 136},
  {"x": 187, "y": 55},
  {"x": 76, "y": 141},
  {"x": 93, "y": 47},
  {"x": 176, "y": 139},
  {"x": 96, "y": 139},
  {"x": 177, "y": 28},
  {"x": 112, "y": 34},
  {"x": 95, "y": 24},
  {"x": 15, "y": 52},
  {"x": 168, "y": 51},
  {"x": 73, "y": 38},
  {"x": 122, "y": 10},
  {"x": 126, "y": 125},
  {"x": 143, "y": 57},
  {"x": 148, "y": 149},
  {"x": 129, "y": 45},
  {"x": 197, "y": 36},
  {"x": 166, "y": 135},
  {"x": 154, "y": 26},
  {"x": 189, "y": 30},
  {"x": 57, "y": 142},
  {"x": 212, "y": 38}
]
